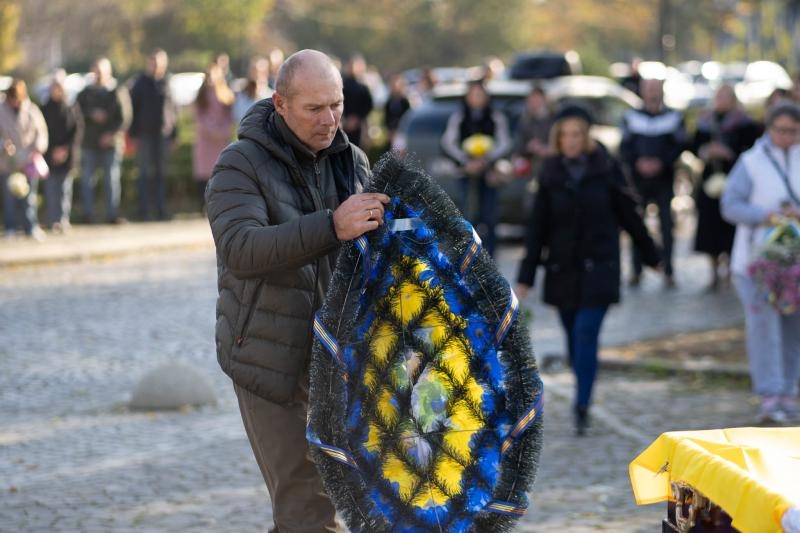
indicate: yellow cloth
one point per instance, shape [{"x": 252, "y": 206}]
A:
[{"x": 753, "y": 474}]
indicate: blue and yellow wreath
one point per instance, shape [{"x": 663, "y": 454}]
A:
[{"x": 425, "y": 400}]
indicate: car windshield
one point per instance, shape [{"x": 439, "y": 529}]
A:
[{"x": 539, "y": 67}]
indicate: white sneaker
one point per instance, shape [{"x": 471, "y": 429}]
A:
[
  {"x": 771, "y": 411},
  {"x": 790, "y": 409},
  {"x": 10, "y": 235},
  {"x": 37, "y": 234}
]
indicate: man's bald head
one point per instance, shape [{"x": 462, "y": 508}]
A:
[
  {"x": 308, "y": 95},
  {"x": 301, "y": 65}
]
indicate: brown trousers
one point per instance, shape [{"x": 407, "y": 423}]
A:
[{"x": 277, "y": 436}]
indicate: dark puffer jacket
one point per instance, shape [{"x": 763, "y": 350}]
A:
[
  {"x": 574, "y": 232},
  {"x": 270, "y": 204}
]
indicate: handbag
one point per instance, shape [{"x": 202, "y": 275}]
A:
[{"x": 36, "y": 167}]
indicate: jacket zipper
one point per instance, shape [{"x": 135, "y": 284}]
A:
[{"x": 317, "y": 198}]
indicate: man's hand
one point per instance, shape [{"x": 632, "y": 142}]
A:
[
  {"x": 717, "y": 150},
  {"x": 648, "y": 167},
  {"x": 107, "y": 140},
  {"x": 787, "y": 211},
  {"x": 359, "y": 214},
  {"x": 538, "y": 148},
  {"x": 98, "y": 116},
  {"x": 792, "y": 212},
  {"x": 475, "y": 167},
  {"x": 522, "y": 290},
  {"x": 60, "y": 154}
]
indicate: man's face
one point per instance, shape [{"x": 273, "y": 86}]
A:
[
  {"x": 724, "y": 99},
  {"x": 477, "y": 97},
  {"x": 57, "y": 92},
  {"x": 652, "y": 92},
  {"x": 536, "y": 102},
  {"x": 313, "y": 110},
  {"x": 102, "y": 72},
  {"x": 157, "y": 65}
]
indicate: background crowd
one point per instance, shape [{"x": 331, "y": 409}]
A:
[
  {"x": 46, "y": 147},
  {"x": 585, "y": 196}
]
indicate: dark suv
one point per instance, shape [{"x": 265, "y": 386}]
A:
[{"x": 543, "y": 65}]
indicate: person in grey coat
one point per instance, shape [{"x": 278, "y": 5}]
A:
[
  {"x": 281, "y": 200},
  {"x": 762, "y": 189}
]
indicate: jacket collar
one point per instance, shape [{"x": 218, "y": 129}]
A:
[
  {"x": 597, "y": 162},
  {"x": 301, "y": 151}
]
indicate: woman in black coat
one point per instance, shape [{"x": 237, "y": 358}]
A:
[
  {"x": 723, "y": 133},
  {"x": 582, "y": 202}
]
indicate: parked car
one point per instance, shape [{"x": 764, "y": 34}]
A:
[
  {"x": 545, "y": 64},
  {"x": 421, "y": 129},
  {"x": 441, "y": 74},
  {"x": 753, "y": 82},
  {"x": 760, "y": 79}
]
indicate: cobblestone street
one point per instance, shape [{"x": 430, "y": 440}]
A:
[{"x": 76, "y": 337}]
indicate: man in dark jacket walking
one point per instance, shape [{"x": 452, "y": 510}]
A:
[
  {"x": 281, "y": 200},
  {"x": 652, "y": 140},
  {"x": 358, "y": 102},
  {"x": 64, "y": 126},
  {"x": 105, "y": 108},
  {"x": 154, "y": 127}
]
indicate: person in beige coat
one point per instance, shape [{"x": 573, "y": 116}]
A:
[{"x": 23, "y": 140}]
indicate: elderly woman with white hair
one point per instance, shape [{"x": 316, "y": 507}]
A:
[{"x": 763, "y": 188}]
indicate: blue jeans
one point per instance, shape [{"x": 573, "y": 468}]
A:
[
  {"x": 108, "y": 160},
  {"x": 582, "y": 328},
  {"x": 479, "y": 205},
  {"x": 58, "y": 197},
  {"x": 152, "y": 152},
  {"x": 12, "y": 206}
]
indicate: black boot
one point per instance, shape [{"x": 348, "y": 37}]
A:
[{"x": 581, "y": 420}]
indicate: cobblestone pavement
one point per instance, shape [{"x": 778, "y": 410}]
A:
[{"x": 75, "y": 338}]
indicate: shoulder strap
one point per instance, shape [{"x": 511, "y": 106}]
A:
[{"x": 783, "y": 174}]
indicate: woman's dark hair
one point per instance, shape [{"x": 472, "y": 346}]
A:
[
  {"x": 790, "y": 109},
  {"x": 251, "y": 88}
]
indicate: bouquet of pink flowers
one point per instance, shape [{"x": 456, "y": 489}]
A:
[{"x": 777, "y": 268}]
